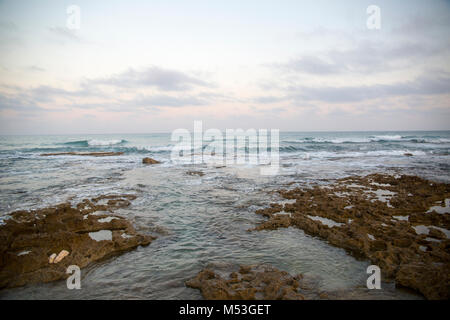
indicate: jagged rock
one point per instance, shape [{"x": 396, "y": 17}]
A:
[
  {"x": 225, "y": 281},
  {"x": 150, "y": 161},
  {"x": 378, "y": 225},
  {"x": 63, "y": 228},
  {"x": 432, "y": 280},
  {"x": 193, "y": 173},
  {"x": 249, "y": 283}
]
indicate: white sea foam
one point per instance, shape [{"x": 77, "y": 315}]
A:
[
  {"x": 387, "y": 137},
  {"x": 95, "y": 142}
]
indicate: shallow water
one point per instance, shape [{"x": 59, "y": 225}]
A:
[{"x": 202, "y": 219}]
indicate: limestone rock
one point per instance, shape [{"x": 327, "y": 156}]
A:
[
  {"x": 63, "y": 229},
  {"x": 375, "y": 217},
  {"x": 249, "y": 283},
  {"x": 150, "y": 161}
]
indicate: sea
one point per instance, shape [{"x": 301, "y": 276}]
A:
[{"x": 202, "y": 220}]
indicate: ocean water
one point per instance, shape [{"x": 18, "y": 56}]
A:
[{"x": 201, "y": 220}]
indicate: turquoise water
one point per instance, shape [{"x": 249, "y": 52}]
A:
[{"x": 203, "y": 220}]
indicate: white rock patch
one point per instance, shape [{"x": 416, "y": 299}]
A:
[
  {"x": 328, "y": 222},
  {"x": 107, "y": 219},
  {"x": 101, "y": 235},
  {"x": 441, "y": 209},
  {"x": 403, "y": 218}
]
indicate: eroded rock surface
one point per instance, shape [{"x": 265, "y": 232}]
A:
[
  {"x": 261, "y": 282},
  {"x": 195, "y": 173},
  {"x": 149, "y": 161},
  {"x": 226, "y": 281},
  {"x": 30, "y": 240},
  {"x": 386, "y": 219}
]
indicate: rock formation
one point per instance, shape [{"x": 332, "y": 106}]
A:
[
  {"x": 386, "y": 219},
  {"x": 261, "y": 282},
  {"x": 39, "y": 245},
  {"x": 150, "y": 161}
]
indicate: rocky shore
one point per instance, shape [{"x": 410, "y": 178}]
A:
[
  {"x": 219, "y": 281},
  {"x": 251, "y": 282},
  {"x": 39, "y": 245},
  {"x": 400, "y": 223}
]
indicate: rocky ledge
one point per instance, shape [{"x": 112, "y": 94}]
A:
[
  {"x": 261, "y": 282},
  {"x": 265, "y": 282},
  {"x": 39, "y": 245},
  {"x": 148, "y": 160},
  {"x": 400, "y": 223}
]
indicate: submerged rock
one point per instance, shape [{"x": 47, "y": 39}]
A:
[
  {"x": 64, "y": 229},
  {"x": 226, "y": 281},
  {"x": 150, "y": 161},
  {"x": 250, "y": 282},
  {"x": 376, "y": 217},
  {"x": 195, "y": 173}
]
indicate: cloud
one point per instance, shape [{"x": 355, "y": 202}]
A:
[
  {"x": 17, "y": 103},
  {"x": 46, "y": 93},
  {"x": 414, "y": 42},
  {"x": 64, "y": 34},
  {"x": 366, "y": 57},
  {"x": 169, "y": 89},
  {"x": 313, "y": 65},
  {"x": 162, "y": 79},
  {"x": 35, "y": 68},
  {"x": 140, "y": 103},
  {"x": 167, "y": 101},
  {"x": 32, "y": 99},
  {"x": 424, "y": 85},
  {"x": 269, "y": 99},
  {"x": 8, "y": 25}
]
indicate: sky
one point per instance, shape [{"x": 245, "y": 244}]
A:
[{"x": 155, "y": 66}]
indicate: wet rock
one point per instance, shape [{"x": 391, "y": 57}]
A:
[
  {"x": 150, "y": 161},
  {"x": 425, "y": 278},
  {"x": 249, "y": 283},
  {"x": 408, "y": 154},
  {"x": 436, "y": 233},
  {"x": 63, "y": 229},
  {"x": 374, "y": 218},
  {"x": 197, "y": 173}
]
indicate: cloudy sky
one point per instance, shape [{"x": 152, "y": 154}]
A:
[{"x": 154, "y": 66}]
